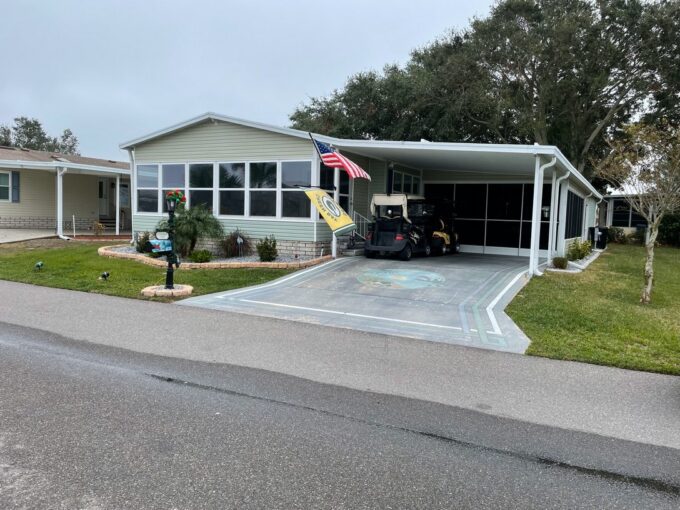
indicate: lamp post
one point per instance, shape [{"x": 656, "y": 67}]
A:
[{"x": 172, "y": 198}]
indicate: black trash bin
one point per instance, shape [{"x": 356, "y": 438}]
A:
[
  {"x": 602, "y": 238},
  {"x": 591, "y": 235}
]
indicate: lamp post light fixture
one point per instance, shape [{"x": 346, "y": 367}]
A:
[{"x": 172, "y": 198}]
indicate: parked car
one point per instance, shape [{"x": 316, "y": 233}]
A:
[{"x": 404, "y": 225}]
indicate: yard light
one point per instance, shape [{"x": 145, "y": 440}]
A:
[
  {"x": 104, "y": 276},
  {"x": 172, "y": 198},
  {"x": 39, "y": 265}
]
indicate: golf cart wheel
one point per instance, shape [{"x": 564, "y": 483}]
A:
[
  {"x": 456, "y": 247},
  {"x": 428, "y": 250},
  {"x": 406, "y": 253},
  {"x": 441, "y": 250}
]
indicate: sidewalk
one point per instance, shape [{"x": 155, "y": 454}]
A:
[{"x": 636, "y": 406}]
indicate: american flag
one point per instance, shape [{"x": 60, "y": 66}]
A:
[{"x": 334, "y": 159}]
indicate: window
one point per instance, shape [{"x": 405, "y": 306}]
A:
[
  {"x": 232, "y": 182},
  {"x": 172, "y": 177},
  {"x": 405, "y": 183},
  {"x": 4, "y": 186},
  {"x": 147, "y": 188},
  {"x": 326, "y": 184},
  {"x": 623, "y": 214},
  {"x": 263, "y": 189},
  {"x": 201, "y": 185},
  {"x": 294, "y": 202},
  {"x": 574, "y": 223}
]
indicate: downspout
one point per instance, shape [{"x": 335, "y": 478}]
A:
[
  {"x": 60, "y": 204},
  {"x": 533, "y": 264},
  {"x": 133, "y": 194},
  {"x": 553, "y": 224},
  {"x": 584, "y": 233}
]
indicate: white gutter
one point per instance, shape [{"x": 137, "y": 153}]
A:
[
  {"x": 554, "y": 201},
  {"x": 49, "y": 165}
]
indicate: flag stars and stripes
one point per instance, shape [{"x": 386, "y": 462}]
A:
[{"x": 334, "y": 159}]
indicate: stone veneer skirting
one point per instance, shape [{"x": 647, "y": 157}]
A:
[
  {"x": 304, "y": 249},
  {"x": 106, "y": 251},
  {"x": 43, "y": 222}
]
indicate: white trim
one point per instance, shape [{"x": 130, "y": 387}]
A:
[
  {"x": 55, "y": 166},
  {"x": 546, "y": 150}
]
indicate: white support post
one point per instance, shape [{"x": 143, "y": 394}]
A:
[
  {"x": 562, "y": 222},
  {"x": 60, "y": 201},
  {"x": 336, "y": 197},
  {"x": 117, "y": 205},
  {"x": 536, "y": 217},
  {"x": 551, "y": 224}
]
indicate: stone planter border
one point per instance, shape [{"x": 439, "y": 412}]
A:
[{"x": 107, "y": 251}]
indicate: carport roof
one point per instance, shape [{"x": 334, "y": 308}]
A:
[
  {"x": 471, "y": 158},
  {"x": 15, "y": 157}
]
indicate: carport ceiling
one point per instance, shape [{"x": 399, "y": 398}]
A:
[{"x": 464, "y": 158}]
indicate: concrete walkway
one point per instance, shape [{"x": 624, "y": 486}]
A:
[
  {"x": 636, "y": 406},
  {"x": 15, "y": 235}
]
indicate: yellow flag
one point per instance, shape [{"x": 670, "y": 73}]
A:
[{"x": 335, "y": 216}]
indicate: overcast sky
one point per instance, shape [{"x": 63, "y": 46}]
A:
[{"x": 115, "y": 70}]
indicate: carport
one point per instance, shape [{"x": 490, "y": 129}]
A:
[{"x": 522, "y": 200}]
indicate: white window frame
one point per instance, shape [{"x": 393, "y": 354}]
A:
[
  {"x": 276, "y": 190},
  {"x": 281, "y": 190},
  {"x": 244, "y": 189},
  {"x": 9, "y": 186},
  {"x": 158, "y": 189},
  {"x": 187, "y": 175}
]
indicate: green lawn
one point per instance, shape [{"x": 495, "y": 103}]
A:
[
  {"x": 595, "y": 316},
  {"x": 77, "y": 266}
]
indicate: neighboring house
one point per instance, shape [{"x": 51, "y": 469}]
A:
[
  {"x": 249, "y": 175},
  {"x": 46, "y": 190},
  {"x": 618, "y": 212}
]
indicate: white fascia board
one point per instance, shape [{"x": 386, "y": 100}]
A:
[
  {"x": 222, "y": 118},
  {"x": 579, "y": 177},
  {"x": 48, "y": 165},
  {"x": 445, "y": 146}
]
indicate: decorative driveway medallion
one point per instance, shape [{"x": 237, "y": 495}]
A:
[{"x": 401, "y": 278}]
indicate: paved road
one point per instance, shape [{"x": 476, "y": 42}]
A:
[
  {"x": 623, "y": 404},
  {"x": 93, "y": 427}
]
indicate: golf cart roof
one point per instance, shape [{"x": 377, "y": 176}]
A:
[{"x": 393, "y": 199}]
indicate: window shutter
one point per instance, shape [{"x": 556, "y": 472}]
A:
[{"x": 15, "y": 187}]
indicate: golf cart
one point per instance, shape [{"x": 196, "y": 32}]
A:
[{"x": 407, "y": 224}]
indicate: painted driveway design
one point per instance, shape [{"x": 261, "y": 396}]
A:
[{"x": 452, "y": 299}]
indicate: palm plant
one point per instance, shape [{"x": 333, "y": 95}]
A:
[{"x": 191, "y": 225}]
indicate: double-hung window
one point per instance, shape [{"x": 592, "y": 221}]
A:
[
  {"x": 294, "y": 175},
  {"x": 201, "y": 185},
  {"x": 4, "y": 186},
  {"x": 172, "y": 177},
  {"x": 262, "y": 189},
  {"x": 147, "y": 188},
  {"x": 232, "y": 182}
]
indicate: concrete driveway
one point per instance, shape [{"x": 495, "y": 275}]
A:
[
  {"x": 455, "y": 299},
  {"x": 15, "y": 235}
]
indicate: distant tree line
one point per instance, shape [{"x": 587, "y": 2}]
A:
[
  {"x": 570, "y": 73},
  {"x": 28, "y": 133}
]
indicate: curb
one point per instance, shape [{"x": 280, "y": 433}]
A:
[{"x": 107, "y": 251}]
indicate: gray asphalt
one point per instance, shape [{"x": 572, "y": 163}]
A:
[
  {"x": 623, "y": 404},
  {"x": 94, "y": 427}
]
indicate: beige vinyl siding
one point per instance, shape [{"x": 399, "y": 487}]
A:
[
  {"x": 81, "y": 197},
  {"x": 223, "y": 141},
  {"x": 37, "y": 196}
]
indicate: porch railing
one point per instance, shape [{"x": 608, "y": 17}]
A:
[{"x": 362, "y": 223}]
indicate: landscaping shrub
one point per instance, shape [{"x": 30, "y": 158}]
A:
[
  {"x": 230, "y": 245},
  {"x": 98, "y": 228},
  {"x": 578, "y": 249},
  {"x": 560, "y": 262},
  {"x": 192, "y": 225},
  {"x": 616, "y": 235},
  {"x": 200, "y": 256},
  {"x": 266, "y": 249},
  {"x": 140, "y": 242},
  {"x": 669, "y": 230}
]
